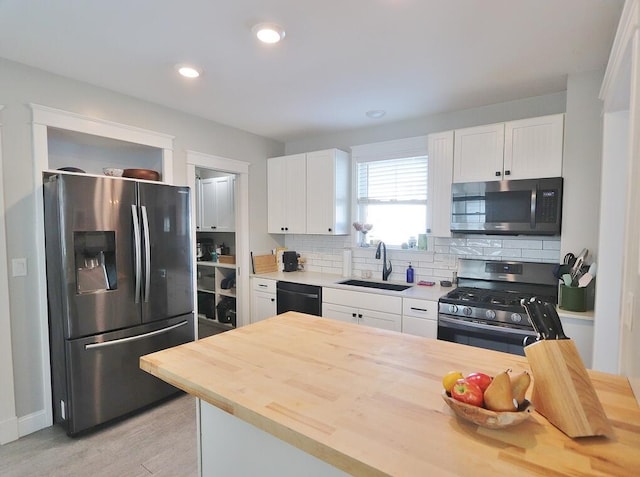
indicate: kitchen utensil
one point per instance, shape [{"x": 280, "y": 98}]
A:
[
  {"x": 486, "y": 418},
  {"x": 71, "y": 169},
  {"x": 146, "y": 174},
  {"x": 567, "y": 280},
  {"x": 593, "y": 269},
  {"x": 552, "y": 316},
  {"x": 577, "y": 266},
  {"x": 112, "y": 171},
  {"x": 569, "y": 259},
  {"x": 535, "y": 310},
  {"x": 264, "y": 263},
  {"x": 585, "y": 280}
]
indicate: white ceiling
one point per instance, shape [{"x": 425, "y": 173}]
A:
[{"x": 340, "y": 58}]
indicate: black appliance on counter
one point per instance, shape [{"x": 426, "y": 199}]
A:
[
  {"x": 485, "y": 310},
  {"x": 289, "y": 261},
  {"x": 119, "y": 283},
  {"x": 298, "y": 297},
  {"x": 509, "y": 207}
]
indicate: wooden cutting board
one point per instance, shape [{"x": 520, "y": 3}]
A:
[{"x": 265, "y": 263}]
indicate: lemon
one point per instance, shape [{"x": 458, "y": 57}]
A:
[{"x": 450, "y": 379}]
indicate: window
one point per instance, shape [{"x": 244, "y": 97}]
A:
[{"x": 392, "y": 195}]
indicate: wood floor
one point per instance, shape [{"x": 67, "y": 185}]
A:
[{"x": 160, "y": 442}]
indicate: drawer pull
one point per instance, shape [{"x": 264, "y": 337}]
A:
[
  {"x": 418, "y": 309},
  {"x": 262, "y": 285}
]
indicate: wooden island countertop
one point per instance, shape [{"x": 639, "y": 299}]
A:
[{"x": 368, "y": 401}]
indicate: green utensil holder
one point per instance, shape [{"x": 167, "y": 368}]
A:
[{"x": 576, "y": 298}]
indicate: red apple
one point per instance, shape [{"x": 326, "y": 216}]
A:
[
  {"x": 467, "y": 392},
  {"x": 481, "y": 379}
]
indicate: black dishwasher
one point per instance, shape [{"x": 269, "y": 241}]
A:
[{"x": 298, "y": 297}]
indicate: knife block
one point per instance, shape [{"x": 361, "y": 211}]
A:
[{"x": 562, "y": 391}]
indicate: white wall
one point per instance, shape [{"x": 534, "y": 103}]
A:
[
  {"x": 21, "y": 85},
  {"x": 582, "y": 164},
  {"x": 512, "y": 110}
]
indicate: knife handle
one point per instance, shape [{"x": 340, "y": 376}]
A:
[{"x": 553, "y": 314}]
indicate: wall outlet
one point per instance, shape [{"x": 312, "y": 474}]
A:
[{"x": 19, "y": 267}]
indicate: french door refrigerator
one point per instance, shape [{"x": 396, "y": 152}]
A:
[{"x": 119, "y": 286}]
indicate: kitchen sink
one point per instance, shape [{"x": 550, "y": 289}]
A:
[{"x": 382, "y": 286}]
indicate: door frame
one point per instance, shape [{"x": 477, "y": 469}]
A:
[
  {"x": 243, "y": 262},
  {"x": 8, "y": 418},
  {"x": 44, "y": 117}
]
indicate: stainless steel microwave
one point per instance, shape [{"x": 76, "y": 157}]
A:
[{"x": 509, "y": 207}]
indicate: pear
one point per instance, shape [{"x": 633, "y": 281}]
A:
[
  {"x": 499, "y": 396},
  {"x": 519, "y": 385}
]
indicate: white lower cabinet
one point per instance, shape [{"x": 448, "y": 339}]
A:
[
  {"x": 369, "y": 309},
  {"x": 263, "y": 299},
  {"x": 581, "y": 332},
  {"x": 420, "y": 317}
]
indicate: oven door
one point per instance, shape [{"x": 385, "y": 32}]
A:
[{"x": 481, "y": 335}]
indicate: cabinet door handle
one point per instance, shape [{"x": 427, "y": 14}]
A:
[
  {"x": 329, "y": 229},
  {"x": 498, "y": 174},
  {"x": 507, "y": 173},
  {"x": 353, "y": 315},
  {"x": 273, "y": 299},
  {"x": 359, "y": 315}
]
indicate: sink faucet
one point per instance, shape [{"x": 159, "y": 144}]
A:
[{"x": 385, "y": 271}]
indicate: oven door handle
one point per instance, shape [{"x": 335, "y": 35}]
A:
[{"x": 462, "y": 324}]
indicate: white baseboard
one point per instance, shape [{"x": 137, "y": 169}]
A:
[
  {"x": 32, "y": 422},
  {"x": 9, "y": 430}
]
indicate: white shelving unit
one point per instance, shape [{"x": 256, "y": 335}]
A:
[{"x": 210, "y": 276}]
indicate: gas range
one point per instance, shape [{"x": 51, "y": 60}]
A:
[
  {"x": 485, "y": 309},
  {"x": 498, "y": 307}
]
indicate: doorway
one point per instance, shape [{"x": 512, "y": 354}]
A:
[{"x": 221, "y": 244}]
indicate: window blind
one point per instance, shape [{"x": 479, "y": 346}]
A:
[{"x": 395, "y": 180}]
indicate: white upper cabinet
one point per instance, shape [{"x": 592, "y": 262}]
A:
[
  {"x": 524, "y": 149},
  {"x": 479, "y": 153},
  {"x": 328, "y": 192},
  {"x": 309, "y": 193},
  {"x": 440, "y": 147},
  {"x": 533, "y": 147},
  {"x": 216, "y": 199},
  {"x": 287, "y": 194}
]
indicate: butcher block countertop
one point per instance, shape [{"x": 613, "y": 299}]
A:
[{"x": 368, "y": 401}]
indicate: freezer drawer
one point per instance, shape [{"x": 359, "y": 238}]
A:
[{"x": 104, "y": 380}]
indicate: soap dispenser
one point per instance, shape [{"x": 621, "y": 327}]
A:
[{"x": 410, "y": 273}]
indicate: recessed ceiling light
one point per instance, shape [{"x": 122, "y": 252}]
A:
[
  {"x": 189, "y": 71},
  {"x": 268, "y": 32},
  {"x": 376, "y": 113}
]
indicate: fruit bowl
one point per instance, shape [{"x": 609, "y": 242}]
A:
[{"x": 486, "y": 418}]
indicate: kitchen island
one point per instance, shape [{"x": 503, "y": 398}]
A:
[{"x": 300, "y": 394}]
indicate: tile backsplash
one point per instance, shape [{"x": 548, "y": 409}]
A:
[{"x": 439, "y": 261}]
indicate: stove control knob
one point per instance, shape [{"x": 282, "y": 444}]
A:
[
  {"x": 516, "y": 317},
  {"x": 490, "y": 314},
  {"x": 467, "y": 310},
  {"x": 453, "y": 308}
]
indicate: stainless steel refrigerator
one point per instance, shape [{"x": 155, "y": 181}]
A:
[{"x": 119, "y": 286}]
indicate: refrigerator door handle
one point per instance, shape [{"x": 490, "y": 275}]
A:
[
  {"x": 134, "y": 338},
  {"x": 136, "y": 251},
  {"x": 147, "y": 254}
]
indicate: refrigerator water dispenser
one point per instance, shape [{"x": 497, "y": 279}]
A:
[{"x": 95, "y": 259}]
